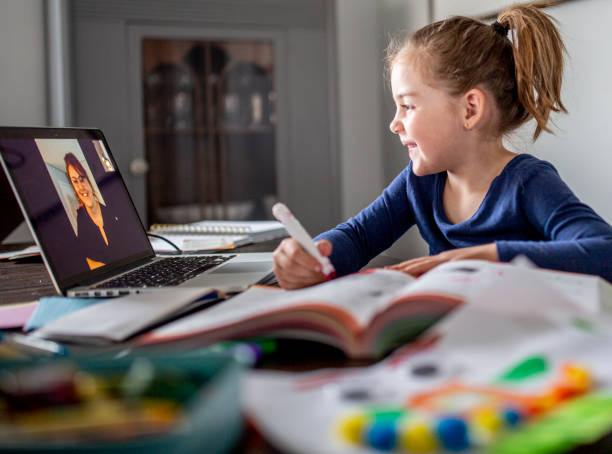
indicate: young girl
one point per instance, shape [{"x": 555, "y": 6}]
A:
[{"x": 459, "y": 86}]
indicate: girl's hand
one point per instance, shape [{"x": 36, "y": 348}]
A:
[
  {"x": 421, "y": 265},
  {"x": 296, "y": 268}
]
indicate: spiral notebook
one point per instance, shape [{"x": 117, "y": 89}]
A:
[{"x": 215, "y": 235}]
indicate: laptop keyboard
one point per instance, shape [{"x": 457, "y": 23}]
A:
[{"x": 166, "y": 272}]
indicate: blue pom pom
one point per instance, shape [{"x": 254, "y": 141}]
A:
[
  {"x": 513, "y": 417},
  {"x": 453, "y": 434},
  {"x": 381, "y": 435}
]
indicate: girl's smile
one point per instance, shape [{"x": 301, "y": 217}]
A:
[{"x": 427, "y": 121}]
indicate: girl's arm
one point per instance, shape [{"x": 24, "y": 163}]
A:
[
  {"x": 575, "y": 237},
  {"x": 374, "y": 229}
]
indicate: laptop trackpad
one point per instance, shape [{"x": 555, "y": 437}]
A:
[{"x": 232, "y": 275}]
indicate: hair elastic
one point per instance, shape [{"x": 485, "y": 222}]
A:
[{"x": 501, "y": 29}]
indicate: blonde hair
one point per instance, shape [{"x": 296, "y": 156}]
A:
[{"x": 523, "y": 73}]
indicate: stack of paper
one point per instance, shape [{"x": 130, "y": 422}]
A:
[{"x": 215, "y": 235}]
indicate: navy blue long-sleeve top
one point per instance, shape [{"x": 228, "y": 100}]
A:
[{"x": 528, "y": 210}]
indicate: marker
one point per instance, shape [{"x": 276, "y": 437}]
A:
[
  {"x": 35, "y": 345},
  {"x": 295, "y": 229}
]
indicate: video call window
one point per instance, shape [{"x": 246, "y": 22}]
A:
[{"x": 73, "y": 189}]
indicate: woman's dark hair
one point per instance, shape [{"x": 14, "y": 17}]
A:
[
  {"x": 523, "y": 72},
  {"x": 70, "y": 160}
]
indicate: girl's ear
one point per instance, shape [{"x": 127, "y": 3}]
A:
[{"x": 474, "y": 106}]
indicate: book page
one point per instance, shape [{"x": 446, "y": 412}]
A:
[
  {"x": 362, "y": 295},
  {"x": 460, "y": 279},
  {"x": 517, "y": 290},
  {"x": 591, "y": 292}
]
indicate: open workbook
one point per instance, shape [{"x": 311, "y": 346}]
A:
[
  {"x": 369, "y": 313},
  {"x": 364, "y": 314}
]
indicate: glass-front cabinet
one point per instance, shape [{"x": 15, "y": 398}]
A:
[
  {"x": 209, "y": 114},
  {"x": 214, "y": 111}
]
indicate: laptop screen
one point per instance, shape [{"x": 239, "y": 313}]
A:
[{"x": 75, "y": 200}]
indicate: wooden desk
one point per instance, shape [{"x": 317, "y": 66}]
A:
[
  {"x": 23, "y": 280},
  {"x": 27, "y": 279}
]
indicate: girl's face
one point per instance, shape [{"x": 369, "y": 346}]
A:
[
  {"x": 427, "y": 120},
  {"x": 81, "y": 187}
]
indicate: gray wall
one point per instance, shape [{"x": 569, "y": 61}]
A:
[
  {"x": 22, "y": 73},
  {"x": 23, "y": 94},
  {"x": 370, "y": 155}
]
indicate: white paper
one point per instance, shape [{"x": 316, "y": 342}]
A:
[
  {"x": 119, "y": 318},
  {"x": 29, "y": 251}
]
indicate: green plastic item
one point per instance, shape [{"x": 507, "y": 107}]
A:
[
  {"x": 211, "y": 420},
  {"x": 581, "y": 421},
  {"x": 526, "y": 369}
]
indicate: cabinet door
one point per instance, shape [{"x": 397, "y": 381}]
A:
[
  {"x": 216, "y": 164},
  {"x": 209, "y": 124}
]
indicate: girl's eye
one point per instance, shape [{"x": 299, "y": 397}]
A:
[{"x": 406, "y": 107}]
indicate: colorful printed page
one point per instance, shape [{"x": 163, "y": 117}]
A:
[{"x": 479, "y": 349}]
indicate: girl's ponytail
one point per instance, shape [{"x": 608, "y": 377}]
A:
[
  {"x": 538, "y": 59},
  {"x": 522, "y": 69}
]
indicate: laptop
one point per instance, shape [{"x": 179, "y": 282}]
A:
[{"x": 92, "y": 241}]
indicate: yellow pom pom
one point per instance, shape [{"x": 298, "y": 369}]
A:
[
  {"x": 351, "y": 427},
  {"x": 418, "y": 436}
]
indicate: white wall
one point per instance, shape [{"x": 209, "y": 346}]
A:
[
  {"x": 399, "y": 17},
  {"x": 359, "y": 104},
  {"x": 581, "y": 148},
  {"x": 22, "y": 73},
  {"x": 370, "y": 155}
]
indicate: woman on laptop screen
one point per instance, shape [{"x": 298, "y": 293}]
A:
[{"x": 92, "y": 234}]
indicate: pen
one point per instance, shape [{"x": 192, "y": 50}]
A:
[
  {"x": 295, "y": 229},
  {"x": 35, "y": 345}
]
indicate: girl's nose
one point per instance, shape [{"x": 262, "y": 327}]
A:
[{"x": 395, "y": 126}]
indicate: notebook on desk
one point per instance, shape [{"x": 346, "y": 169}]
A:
[
  {"x": 91, "y": 238},
  {"x": 215, "y": 235}
]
